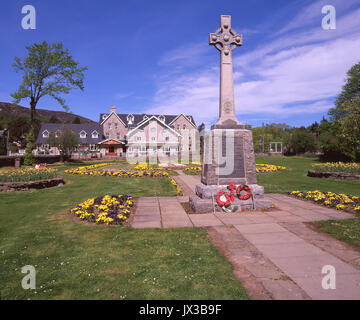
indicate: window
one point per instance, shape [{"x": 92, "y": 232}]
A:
[
  {"x": 184, "y": 126},
  {"x": 57, "y": 134},
  {"x": 116, "y": 125},
  {"x": 82, "y": 134},
  {"x": 138, "y": 138},
  {"x": 167, "y": 138},
  {"x": 162, "y": 118},
  {"x": 130, "y": 118},
  {"x": 92, "y": 147},
  {"x": 109, "y": 125},
  {"x": 153, "y": 138},
  {"x": 45, "y": 134},
  {"x": 104, "y": 116},
  {"x": 95, "y": 135},
  {"x": 45, "y": 146},
  {"x": 153, "y": 130},
  {"x": 178, "y": 126},
  {"x": 107, "y": 135},
  {"x": 118, "y": 136}
]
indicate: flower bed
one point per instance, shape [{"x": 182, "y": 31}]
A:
[
  {"x": 340, "y": 201},
  {"x": 264, "y": 168},
  {"x": 337, "y": 167},
  {"x": 29, "y": 174},
  {"x": 124, "y": 174},
  {"x": 192, "y": 170},
  {"x": 107, "y": 209}
]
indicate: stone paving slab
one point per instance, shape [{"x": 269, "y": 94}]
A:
[
  {"x": 273, "y": 248},
  {"x": 205, "y": 220},
  {"x": 146, "y": 224},
  {"x": 260, "y": 228},
  {"x": 347, "y": 287}
]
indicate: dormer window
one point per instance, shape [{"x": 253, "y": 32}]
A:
[
  {"x": 57, "y": 134},
  {"x": 162, "y": 118},
  {"x": 145, "y": 117},
  {"x": 82, "y": 134},
  {"x": 104, "y": 116},
  {"x": 45, "y": 134},
  {"x": 130, "y": 119},
  {"x": 94, "y": 135}
]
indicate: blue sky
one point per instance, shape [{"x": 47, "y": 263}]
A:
[{"x": 153, "y": 56}]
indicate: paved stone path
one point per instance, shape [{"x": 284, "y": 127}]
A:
[{"x": 274, "y": 254}]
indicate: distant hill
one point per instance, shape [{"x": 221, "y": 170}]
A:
[{"x": 10, "y": 110}]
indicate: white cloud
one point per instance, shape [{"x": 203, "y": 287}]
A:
[{"x": 293, "y": 74}]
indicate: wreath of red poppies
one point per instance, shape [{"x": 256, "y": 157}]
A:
[
  {"x": 220, "y": 202},
  {"x": 245, "y": 188},
  {"x": 224, "y": 199}
]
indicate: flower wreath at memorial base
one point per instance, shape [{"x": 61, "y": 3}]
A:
[{"x": 224, "y": 199}]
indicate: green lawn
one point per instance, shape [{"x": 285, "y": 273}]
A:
[
  {"x": 295, "y": 177},
  {"x": 345, "y": 230},
  {"x": 79, "y": 261}
]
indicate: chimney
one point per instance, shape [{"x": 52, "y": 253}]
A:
[{"x": 113, "y": 109}]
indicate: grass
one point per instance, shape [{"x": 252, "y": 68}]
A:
[
  {"x": 79, "y": 261},
  {"x": 295, "y": 177},
  {"x": 345, "y": 230}
]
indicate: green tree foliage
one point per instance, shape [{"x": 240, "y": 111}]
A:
[
  {"x": 18, "y": 128},
  {"x": 76, "y": 120},
  {"x": 342, "y": 141},
  {"x": 66, "y": 142},
  {"x": 301, "y": 141},
  {"x": 53, "y": 119},
  {"x": 48, "y": 70},
  {"x": 29, "y": 158},
  {"x": 350, "y": 91}
]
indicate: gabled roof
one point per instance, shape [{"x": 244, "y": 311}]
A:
[
  {"x": 148, "y": 120},
  {"x": 138, "y": 118},
  {"x": 189, "y": 118},
  {"x": 77, "y": 128},
  {"x": 108, "y": 116}
]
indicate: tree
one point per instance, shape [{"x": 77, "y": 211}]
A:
[
  {"x": 76, "y": 120},
  {"x": 66, "y": 142},
  {"x": 48, "y": 70},
  {"x": 54, "y": 119},
  {"x": 350, "y": 91},
  {"x": 350, "y": 128},
  {"x": 18, "y": 128},
  {"x": 29, "y": 158},
  {"x": 302, "y": 141}
]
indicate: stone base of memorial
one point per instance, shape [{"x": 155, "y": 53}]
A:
[
  {"x": 237, "y": 145},
  {"x": 333, "y": 175},
  {"x": 30, "y": 185}
]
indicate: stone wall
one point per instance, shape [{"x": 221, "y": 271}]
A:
[{"x": 30, "y": 185}]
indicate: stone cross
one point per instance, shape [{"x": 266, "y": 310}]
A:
[{"x": 226, "y": 40}]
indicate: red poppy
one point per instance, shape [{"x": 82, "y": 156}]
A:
[
  {"x": 245, "y": 188},
  {"x": 223, "y": 199}
]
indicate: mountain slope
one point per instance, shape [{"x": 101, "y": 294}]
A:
[{"x": 11, "y": 110}]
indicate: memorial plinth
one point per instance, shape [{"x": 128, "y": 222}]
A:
[{"x": 228, "y": 151}]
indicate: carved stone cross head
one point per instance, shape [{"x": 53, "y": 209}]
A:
[{"x": 225, "y": 39}]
